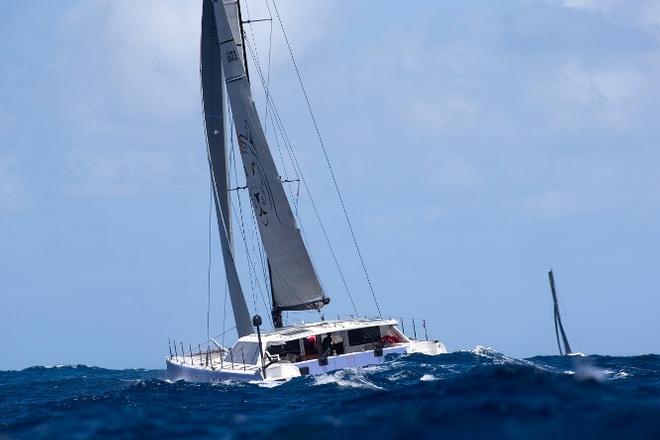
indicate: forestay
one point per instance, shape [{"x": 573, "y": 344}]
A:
[{"x": 294, "y": 281}]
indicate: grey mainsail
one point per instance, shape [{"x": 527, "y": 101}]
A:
[
  {"x": 294, "y": 282},
  {"x": 559, "y": 327},
  {"x": 213, "y": 100}
]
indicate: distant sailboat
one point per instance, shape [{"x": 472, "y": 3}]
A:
[
  {"x": 559, "y": 327},
  {"x": 286, "y": 351}
]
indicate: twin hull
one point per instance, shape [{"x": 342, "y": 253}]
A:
[{"x": 181, "y": 369}]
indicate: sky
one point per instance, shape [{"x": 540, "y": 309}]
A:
[{"x": 476, "y": 144}]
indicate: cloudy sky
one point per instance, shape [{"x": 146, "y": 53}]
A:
[{"x": 477, "y": 144}]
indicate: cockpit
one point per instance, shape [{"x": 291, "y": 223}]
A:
[{"x": 334, "y": 343}]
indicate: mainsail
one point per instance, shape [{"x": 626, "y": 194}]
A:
[
  {"x": 294, "y": 282},
  {"x": 213, "y": 99},
  {"x": 559, "y": 328}
]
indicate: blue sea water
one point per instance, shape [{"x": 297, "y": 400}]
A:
[{"x": 465, "y": 394}]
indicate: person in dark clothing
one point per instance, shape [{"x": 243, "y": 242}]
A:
[{"x": 326, "y": 346}]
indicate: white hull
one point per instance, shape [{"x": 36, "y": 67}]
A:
[{"x": 193, "y": 368}]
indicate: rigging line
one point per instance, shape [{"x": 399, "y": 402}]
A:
[
  {"x": 279, "y": 150},
  {"x": 255, "y": 60},
  {"x": 255, "y": 243},
  {"x": 327, "y": 159},
  {"x": 224, "y": 314},
  {"x": 221, "y": 334},
  {"x": 253, "y": 272},
  {"x": 292, "y": 156},
  {"x": 252, "y": 115},
  {"x": 254, "y": 40},
  {"x": 257, "y": 64},
  {"x": 261, "y": 251},
  {"x": 258, "y": 252},
  {"x": 294, "y": 160},
  {"x": 270, "y": 48},
  {"x": 208, "y": 272},
  {"x": 233, "y": 211},
  {"x": 247, "y": 252},
  {"x": 251, "y": 267}
]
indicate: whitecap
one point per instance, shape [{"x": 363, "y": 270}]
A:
[
  {"x": 348, "y": 378},
  {"x": 428, "y": 378},
  {"x": 398, "y": 375},
  {"x": 488, "y": 352},
  {"x": 621, "y": 375},
  {"x": 267, "y": 384}
]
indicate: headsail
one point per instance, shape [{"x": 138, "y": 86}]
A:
[
  {"x": 559, "y": 328},
  {"x": 233, "y": 11},
  {"x": 213, "y": 98},
  {"x": 294, "y": 282}
]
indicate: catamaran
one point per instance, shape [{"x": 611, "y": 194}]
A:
[{"x": 286, "y": 351}]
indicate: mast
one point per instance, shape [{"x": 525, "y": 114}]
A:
[
  {"x": 559, "y": 327},
  {"x": 275, "y": 312},
  {"x": 294, "y": 282}
]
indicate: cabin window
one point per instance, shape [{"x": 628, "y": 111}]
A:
[
  {"x": 286, "y": 350},
  {"x": 361, "y": 336},
  {"x": 247, "y": 352}
]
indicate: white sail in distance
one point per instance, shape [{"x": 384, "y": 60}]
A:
[
  {"x": 294, "y": 281},
  {"x": 213, "y": 101}
]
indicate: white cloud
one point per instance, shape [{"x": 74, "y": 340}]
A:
[
  {"x": 642, "y": 13},
  {"x": 429, "y": 84},
  {"x": 649, "y": 14},
  {"x": 613, "y": 94},
  {"x": 594, "y": 5},
  {"x": 135, "y": 74},
  {"x": 150, "y": 48},
  {"x": 142, "y": 55}
]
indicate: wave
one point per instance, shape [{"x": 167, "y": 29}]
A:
[
  {"x": 470, "y": 393},
  {"x": 347, "y": 378}
]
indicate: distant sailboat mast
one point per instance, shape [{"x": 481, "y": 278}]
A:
[{"x": 559, "y": 327}]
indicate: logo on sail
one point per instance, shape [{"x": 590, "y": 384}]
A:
[{"x": 257, "y": 181}]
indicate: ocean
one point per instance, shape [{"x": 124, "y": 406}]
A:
[{"x": 466, "y": 394}]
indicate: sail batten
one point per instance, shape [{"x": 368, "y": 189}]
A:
[
  {"x": 294, "y": 283},
  {"x": 213, "y": 101}
]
